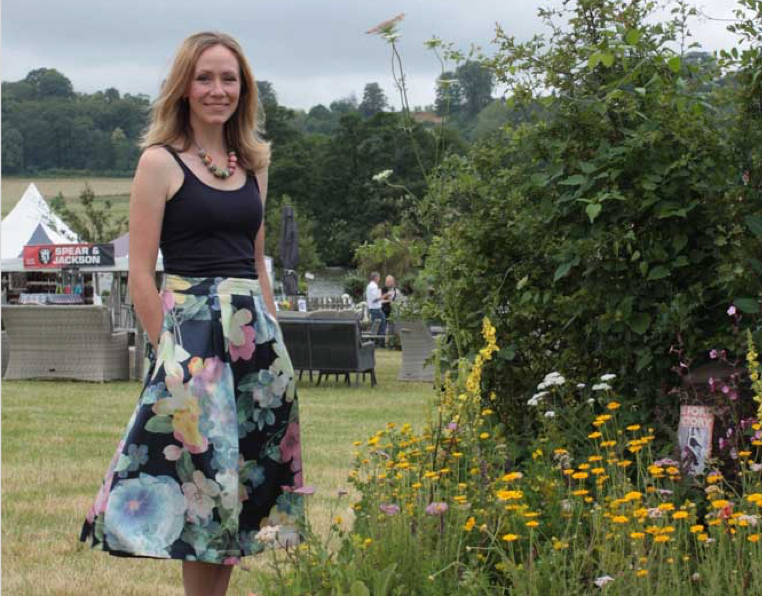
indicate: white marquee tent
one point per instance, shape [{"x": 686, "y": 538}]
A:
[{"x": 31, "y": 221}]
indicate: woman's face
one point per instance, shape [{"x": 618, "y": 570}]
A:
[{"x": 215, "y": 86}]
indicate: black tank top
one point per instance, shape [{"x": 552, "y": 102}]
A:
[{"x": 208, "y": 232}]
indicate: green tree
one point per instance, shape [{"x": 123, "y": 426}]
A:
[
  {"x": 13, "y": 151},
  {"x": 475, "y": 83},
  {"x": 449, "y": 94},
  {"x": 373, "y": 100},
  {"x": 48, "y": 82},
  {"x": 92, "y": 220}
]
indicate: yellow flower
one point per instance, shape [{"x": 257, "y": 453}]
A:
[
  {"x": 679, "y": 515},
  {"x": 666, "y": 506},
  {"x": 580, "y": 493},
  {"x": 720, "y": 503},
  {"x": 598, "y": 471},
  {"x": 703, "y": 537},
  {"x": 532, "y": 524},
  {"x": 510, "y": 537},
  {"x": 484, "y": 436},
  {"x": 510, "y": 477},
  {"x": 697, "y": 528},
  {"x": 633, "y": 496},
  {"x": 509, "y": 495},
  {"x": 613, "y": 405},
  {"x": 558, "y": 545},
  {"x": 637, "y": 535},
  {"x": 662, "y": 538},
  {"x": 754, "y": 537},
  {"x": 594, "y": 435},
  {"x": 633, "y": 427},
  {"x": 620, "y": 519},
  {"x": 641, "y": 572},
  {"x": 580, "y": 475},
  {"x": 606, "y": 444},
  {"x": 470, "y": 523},
  {"x": 624, "y": 463}
]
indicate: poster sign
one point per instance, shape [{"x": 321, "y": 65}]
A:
[
  {"x": 695, "y": 437},
  {"x": 61, "y": 256}
]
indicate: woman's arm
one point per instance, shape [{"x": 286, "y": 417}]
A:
[
  {"x": 147, "y": 199},
  {"x": 259, "y": 248}
]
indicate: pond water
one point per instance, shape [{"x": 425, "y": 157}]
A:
[{"x": 327, "y": 282}]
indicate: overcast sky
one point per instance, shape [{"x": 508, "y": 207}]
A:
[{"x": 312, "y": 51}]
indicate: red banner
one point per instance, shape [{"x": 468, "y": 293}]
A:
[{"x": 61, "y": 256}]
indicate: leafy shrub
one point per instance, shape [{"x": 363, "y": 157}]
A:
[
  {"x": 610, "y": 229},
  {"x": 354, "y": 285}
]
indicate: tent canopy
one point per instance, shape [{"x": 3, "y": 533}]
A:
[{"x": 31, "y": 221}]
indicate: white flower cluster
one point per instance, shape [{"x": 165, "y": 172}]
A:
[
  {"x": 267, "y": 535},
  {"x": 537, "y": 397},
  {"x": 382, "y": 176},
  {"x": 553, "y": 379},
  {"x": 602, "y": 387},
  {"x": 550, "y": 414},
  {"x": 608, "y": 377}
]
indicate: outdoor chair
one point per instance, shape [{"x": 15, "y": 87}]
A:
[
  {"x": 417, "y": 347},
  {"x": 328, "y": 346},
  {"x": 64, "y": 342},
  {"x": 6, "y": 351}
]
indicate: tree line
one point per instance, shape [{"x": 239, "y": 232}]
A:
[{"x": 324, "y": 158}]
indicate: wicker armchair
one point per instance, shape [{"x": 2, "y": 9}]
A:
[
  {"x": 6, "y": 350},
  {"x": 417, "y": 346},
  {"x": 64, "y": 342}
]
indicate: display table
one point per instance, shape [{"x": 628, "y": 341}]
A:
[{"x": 48, "y": 298}]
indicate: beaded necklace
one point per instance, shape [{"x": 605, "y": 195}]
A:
[{"x": 215, "y": 169}]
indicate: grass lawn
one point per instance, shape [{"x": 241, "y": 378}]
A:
[
  {"x": 115, "y": 189},
  {"x": 58, "y": 438}
]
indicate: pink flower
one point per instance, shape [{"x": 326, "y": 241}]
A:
[
  {"x": 713, "y": 354},
  {"x": 732, "y": 310},
  {"x": 167, "y": 300},
  {"x": 101, "y": 500},
  {"x": 290, "y": 448},
  {"x": 725, "y": 389},
  {"x": 452, "y": 426},
  {"x": 389, "y": 508},
  {"x": 245, "y": 350},
  {"x": 436, "y": 508}
]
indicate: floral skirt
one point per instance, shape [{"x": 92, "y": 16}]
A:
[{"x": 211, "y": 454}]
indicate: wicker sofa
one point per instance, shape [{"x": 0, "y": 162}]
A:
[
  {"x": 329, "y": 343},
  {"x": 64, "y": 342}
]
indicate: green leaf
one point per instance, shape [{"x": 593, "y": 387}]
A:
[
  {"x": 159, "y": 424},
  {"x": 632, "y": 37},
  {"x": 359, "y": 589},
  {"x": 575, "y": 180},
  {"x": 563, "y": 270},
  {"x": 658, "y": 272},
  {"x": 594, "y": 60},
  {"x": 587, "y": 167},
  {"x": 640, "y": 322},
  {"x": 645, "y": 358},
  {"x": 674, "y": 64},
  {"x": 754, "y": 224},
  {"x": 607, "y": 58},
  {"x": 522, "y": 282},
  {"x": 540, "y": 180},
  {"x": 748, "y": 305},
  {"x": 593, "y": 210},
  {"x": 756, "y": 265}
]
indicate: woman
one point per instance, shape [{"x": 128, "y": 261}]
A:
[{"x": 209, "y": 468}]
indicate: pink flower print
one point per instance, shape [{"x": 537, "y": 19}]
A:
[
  {"x": 167, "y": 300},
  {"x": 290, "y": 449},
  {"x": 242, "y": 336},
  {"x": 199, "y": 497},
  {"x": 101, "y": 500}
]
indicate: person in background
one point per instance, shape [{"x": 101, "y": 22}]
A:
[
  {"x": 392, "y": 293},
  {"x": 374, "y": 298}
]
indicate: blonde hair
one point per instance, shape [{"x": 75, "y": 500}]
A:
[{"x": 170, "y": 115}]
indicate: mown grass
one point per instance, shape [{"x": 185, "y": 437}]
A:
[
  {"x": 116, "y": 189},
  {"x": 58, "y": 438}
]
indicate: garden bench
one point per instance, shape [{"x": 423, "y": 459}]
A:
[{"x": 64, "y": 342}]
